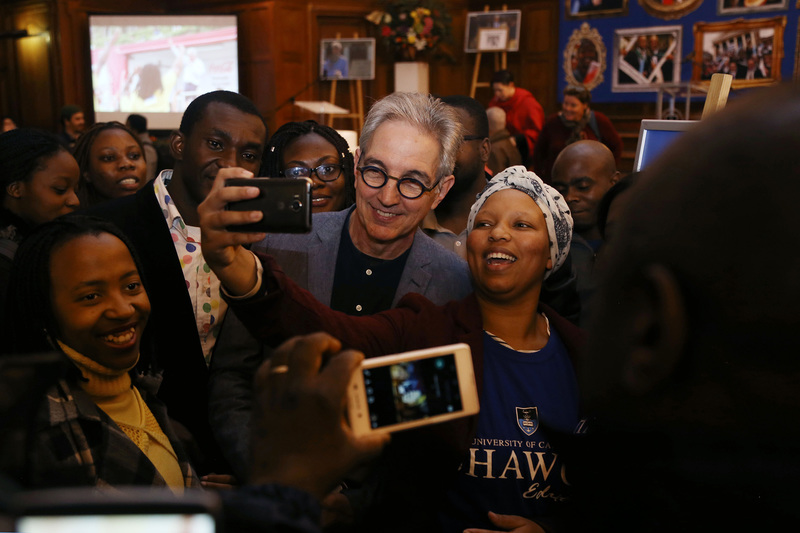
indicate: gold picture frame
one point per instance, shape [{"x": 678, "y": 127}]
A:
[
  {"x": 585, "y": 58},
  {"x": 749, "y": 49},
  {"x": 584, "y": 9},
  {"x": 669, "y": 9}
]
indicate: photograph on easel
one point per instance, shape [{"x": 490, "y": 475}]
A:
[
  {"x": 492, "y": 20},
  {"x": 347, "y": 59},
  {"x": 492, "y": 39}
]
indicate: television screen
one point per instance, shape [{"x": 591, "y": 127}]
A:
[
  {"x": 156, "y": 65},
  {"x": 654, "y": 137}
]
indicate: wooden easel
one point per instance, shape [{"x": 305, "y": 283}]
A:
[
  {"x": 717, "y": 96},
  {"x": 356, "y": 99},
  {"x": 499, "y": 64}
]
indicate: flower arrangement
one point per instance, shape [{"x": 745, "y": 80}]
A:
[{"x": 412, "y": 28}]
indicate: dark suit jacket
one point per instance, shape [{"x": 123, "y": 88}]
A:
[
  {"x": 741, "y": 73},
  {"x": 171, "y": 340}
]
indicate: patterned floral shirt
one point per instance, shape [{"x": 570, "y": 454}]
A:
[{"x": 201, "y": 282}]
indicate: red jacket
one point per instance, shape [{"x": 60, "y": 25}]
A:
[
  {"x": 555, "y": 135},
  {"x": 524, "y": 115}
]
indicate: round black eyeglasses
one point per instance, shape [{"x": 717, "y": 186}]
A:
[
  {"x": 326, "y": 172},
  {"x": 409, "y": 188}
]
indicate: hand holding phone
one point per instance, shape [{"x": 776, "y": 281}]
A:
[
  {"x": 299, "y": 434},
  {"x": 284, "y": 202},
  {"x": 412, "y": 389}
]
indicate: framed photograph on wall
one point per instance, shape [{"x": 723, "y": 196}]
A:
[
  {"x": 581, "y": 9},
  {"x": 669, "y": 9},
  {"x": 492, "y": 20},
  {"x": 797, "y": 56},
  {"x": 492, "y": 39},
  {"x": 646, "y": 58},
  {"x": 746, "y": 49},
  {"x": 733, "y": 7},
  {"x": 347, "y": 59},
  {"x": 585, "y": 58}
]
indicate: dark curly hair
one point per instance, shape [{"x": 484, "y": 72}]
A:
[
  {"x": 273, "y": 156},
  {"x": 23, "y": 151},
  {"x": 30, "y": 324}
]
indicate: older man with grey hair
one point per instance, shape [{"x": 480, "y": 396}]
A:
[{"x": 364, "y": 259}]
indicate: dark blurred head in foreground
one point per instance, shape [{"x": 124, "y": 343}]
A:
[{"x": 693, "y": 370}]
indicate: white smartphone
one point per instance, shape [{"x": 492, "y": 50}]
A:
[
  {"x": 81, "y": 510},
  {"x": 412, "y": 389}
]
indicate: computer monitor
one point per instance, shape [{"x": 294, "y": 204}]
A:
[{"x": 655, "y": 136}]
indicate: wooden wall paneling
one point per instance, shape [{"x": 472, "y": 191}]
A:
[
  {"x": 72, "y": 57},
  {"x": 257, "y": 57},
  {"x": 292, "y": 76},
  {"x": 9, "y": 91},
  {"x": 539, "y": 69},
  {"x": 35, "y": 67},
  {"x": 449, "y": 77}
]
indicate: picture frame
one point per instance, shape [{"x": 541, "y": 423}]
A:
[
  {"x": 646, "y": 58},
  {"x": 492, "y": 39},
  {"x": 585, "y": 58},
  {"x": 669, "y": 9},
  {"x": 735, "y": 7},
  {"x": 347, "y": 59},
  {"x": 797, "y": 57},
  {"x": 477, "y": 20},
  {"x": 746, "y": 48},
  {"x": 583, "y": 9}
]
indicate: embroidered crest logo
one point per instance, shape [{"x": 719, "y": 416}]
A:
[{"x": 528, "y": 419}]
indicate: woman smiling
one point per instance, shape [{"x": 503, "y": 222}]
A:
[
  {"x": 75, "y": 288},
  {"x": 112, "y": 163},
  {"x": 518, "y": 234}
]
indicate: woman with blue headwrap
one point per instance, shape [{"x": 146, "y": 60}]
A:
[{"x": 455, "y": 475}]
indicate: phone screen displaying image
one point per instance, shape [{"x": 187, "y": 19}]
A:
[{"x": 412, "y": 390}]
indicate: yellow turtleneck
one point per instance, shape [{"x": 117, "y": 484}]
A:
[{"x": 111, "y": 390}]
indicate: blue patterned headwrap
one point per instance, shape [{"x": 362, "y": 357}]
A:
[{"x": 554, "y": 208}]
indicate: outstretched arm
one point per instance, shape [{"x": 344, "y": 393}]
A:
[{"x": 223, "y": 250}]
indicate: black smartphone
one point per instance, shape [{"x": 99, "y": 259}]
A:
[
  {"x": 285, "y": 203},
  {"x": 143, "y": 509}
]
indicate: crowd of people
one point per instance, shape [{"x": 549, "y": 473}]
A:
[
  {"x": 741, "y": 62},
  {"x": 643, "y": 341}
]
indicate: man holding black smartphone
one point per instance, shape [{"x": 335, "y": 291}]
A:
[
  {"x": 365, "y": 259},
  {"x": 218, "y": 130}
]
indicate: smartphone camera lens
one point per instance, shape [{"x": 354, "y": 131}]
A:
[{"x": 297, "y": 205}]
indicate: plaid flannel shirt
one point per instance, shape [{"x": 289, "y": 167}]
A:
[{"x": 76, "y": 443}]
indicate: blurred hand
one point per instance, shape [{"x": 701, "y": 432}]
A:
[
  {"x": 222, "y": 249},
  {"x": 218, "y": 481},
  {"x": 509, "y": 522},
  {"x": 300, "y": 436}
]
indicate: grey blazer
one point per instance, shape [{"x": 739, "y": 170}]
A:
[{"x": 310, "y": 260}]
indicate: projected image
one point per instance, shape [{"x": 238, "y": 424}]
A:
[{"x": 158, "y": 65}]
